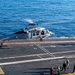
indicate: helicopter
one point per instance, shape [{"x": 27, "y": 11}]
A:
[{"x": 33, "y": 31}]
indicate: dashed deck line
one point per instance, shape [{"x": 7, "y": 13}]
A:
[{"x": 45, "y": 50}]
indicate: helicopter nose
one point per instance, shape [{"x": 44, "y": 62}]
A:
[{"x": 51, "y": 33}]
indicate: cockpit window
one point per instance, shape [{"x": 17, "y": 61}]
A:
[
  {"x": 37, "y": 33},
  {"x": 42, "y": 32},
  {"x": 33, "y": 34}
]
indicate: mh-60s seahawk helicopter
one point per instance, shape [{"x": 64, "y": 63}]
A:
[
  {"x": 29, "y": 33},
  {"x": 33, "y": 31}
]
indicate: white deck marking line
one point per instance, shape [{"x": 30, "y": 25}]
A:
[
  {"x": 35, "y": 55},
  {"x": 63, "y": 52},
  {"x": 24, "y": 56},
  {"x": 57, "y": 46},
  {"x": 34, "y": 60},
  {"x": 45, "y": 50},
  {"x": 72, "y": 56},
  {"x": 50, "y": 46},
  {"x": 40, "y": 42},
  {"x": 39, "y": 56}
]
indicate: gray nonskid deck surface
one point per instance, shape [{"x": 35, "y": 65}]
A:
[
  {"x": 30, "y": 54},
  {"x": 35, "y": 68},
  {"x": 20, "y": 50}
]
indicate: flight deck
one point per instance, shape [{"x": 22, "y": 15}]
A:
[{"x": 22, "y": 57}]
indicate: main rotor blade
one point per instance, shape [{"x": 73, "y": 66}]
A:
[
  {"x": 29, "y": 20},
  {"x": 54, "y": 23}
]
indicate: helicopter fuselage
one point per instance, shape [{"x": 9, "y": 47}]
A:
[{"x": 36, "y": 32}]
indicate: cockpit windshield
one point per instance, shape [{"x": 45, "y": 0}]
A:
[{"x": 42, "y": 32}]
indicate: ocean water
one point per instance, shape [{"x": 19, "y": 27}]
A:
[{"x": 56, "y": 15}]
